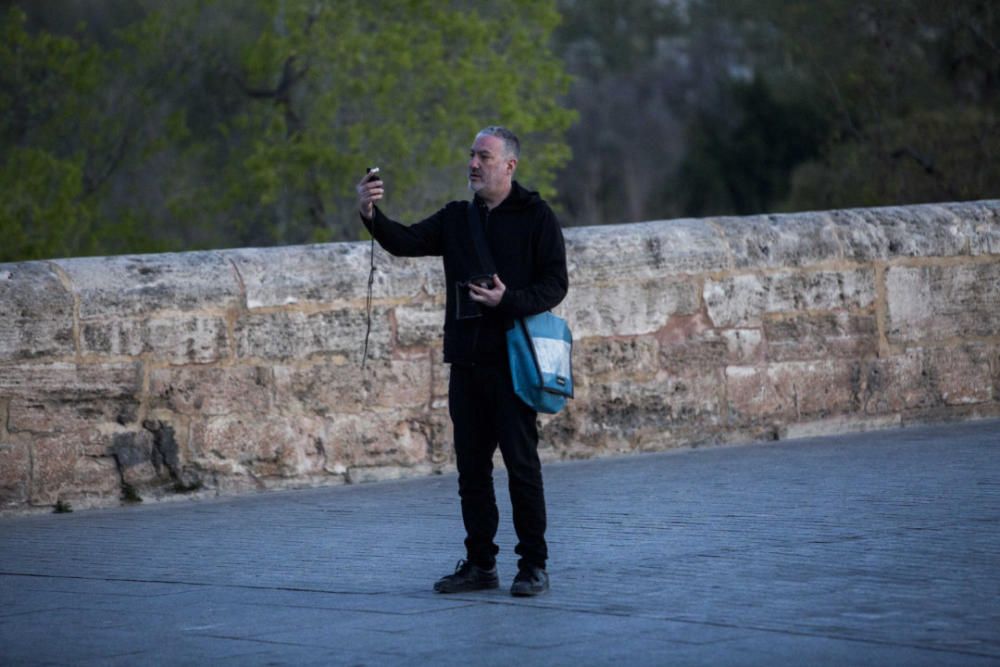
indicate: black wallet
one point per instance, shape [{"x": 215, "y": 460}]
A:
[{"x": 465, "y": 307}]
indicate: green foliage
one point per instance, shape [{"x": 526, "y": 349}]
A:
[
  {"x": 957, "y": 159},
  {"x": 136, "y": 125},
  {"x": 224, "y": 122},
  {"x": 745, "y": 106},
  {"x": 906, "y": 93},
  {"x": 611, "y": 38},
  {"x": 740, "y": 156},
  {"x": 43, "y": 83},
  {"x": 625, "y": 80}
]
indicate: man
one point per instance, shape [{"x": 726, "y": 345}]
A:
[{"x": 526, "y": 244}]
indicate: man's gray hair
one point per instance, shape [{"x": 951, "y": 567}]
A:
[{"x": 510, "y": 141}]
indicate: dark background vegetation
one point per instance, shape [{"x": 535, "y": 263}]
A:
[{"x": 143, "y": 126}]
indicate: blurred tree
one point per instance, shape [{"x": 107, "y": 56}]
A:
[
  {"x": 58, "y": 149},
  {"x": 224, "y": 122},
  {"x": 703, "y": 107},
  {"x": 627, "y": 82},
  {"x": 740, "y": 155},
  {"x": 910, "y": 91}
]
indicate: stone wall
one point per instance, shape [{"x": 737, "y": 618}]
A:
[{"x": 166, "y": 376}]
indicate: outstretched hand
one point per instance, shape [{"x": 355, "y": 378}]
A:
[
  {"x": 488, "y": 296},
  {"x": 369, "y": 192}
]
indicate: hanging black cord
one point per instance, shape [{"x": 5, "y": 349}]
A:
[
  {"x": 373, "y": 174},
  {"x": 368, "y": 301}
]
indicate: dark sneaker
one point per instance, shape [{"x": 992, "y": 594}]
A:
[
  {"x": 468, "y": 577},
  {"x": 530, "y": 581}
]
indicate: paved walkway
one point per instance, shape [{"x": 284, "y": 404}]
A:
[{"x": 870, "y": 549}]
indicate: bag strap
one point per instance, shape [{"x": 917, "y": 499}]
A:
[{"x": 479, "y": 240}]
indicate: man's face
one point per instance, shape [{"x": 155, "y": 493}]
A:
[{"x": 490, "y": 168}]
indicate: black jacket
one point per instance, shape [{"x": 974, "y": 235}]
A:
[{"x": 529, "y": 253}]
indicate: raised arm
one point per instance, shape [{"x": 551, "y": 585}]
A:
[{"x": 418, "y": 240}]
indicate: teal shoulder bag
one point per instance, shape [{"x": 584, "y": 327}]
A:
[{"x": 540, "y": 349}]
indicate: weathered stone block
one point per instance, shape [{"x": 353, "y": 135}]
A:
[
  {"x": 566, "y": 436},
  {"x": 36, "y": 312},
  {"x": 938, "y": 302},
  {"x": 212, "y": 390},
  {"x": 984, "y": 222},
  {"x": 840, "y": 425},
  {"x": 261, "y": 445},
  {"x": 191, "y": 340},
  {"x": 793, "y": 390},
  {"x": 180, "y": 340},
  {"x": 821, "y": 335},
  {"x": 689, "y": 342},
  {"x": 372, "y": 439},
  {"x": 911, "y": 231},
  {"x": 751, "y": 395},
  {"x": 743, "y": 346},
  {"x": 420, "y": 325},
  {"x": 133, "y": 456},
  {"x": 626, "y": 415},
  {"x": 150, "y": 459},
  {"x": 71, "y": 381},
  {"x": 63, "y": 397},
  {"x": 736, "y": 301},
  {"x": 299, "y": 335},
  {"x": 332, "y": 273},
  {"x": 817, "y": 388},
  {"x": 634, "y": 357},
  {"x": 60, "y": 415},
  {"x": 743, "y": 300},
  {"x": 925, "y": 378},
  {"x": 891, "y": 384},
  {"x": 15, "y": 472},
  {"x": 62, "y": 471},
  {"x": 169, "y": 453},
  {"x": 330, "y": 388},
  {"x": 790, "y": 240},
  {"x": 626, "y": 309},
  {"x": 642, "y": 252},
  {"x": 699, "y": 349},
  {"x": 136, "y": 285}
]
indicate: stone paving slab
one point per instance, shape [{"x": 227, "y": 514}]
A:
[{"x": 867, "y": 549}]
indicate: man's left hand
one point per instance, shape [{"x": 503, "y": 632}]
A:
[{"x": 488, "y": 297}]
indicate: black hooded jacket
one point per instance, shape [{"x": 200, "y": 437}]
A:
[{"x": 527, "y": 246}]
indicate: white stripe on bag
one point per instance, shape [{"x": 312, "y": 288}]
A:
[{"x": 553, "y": 356}]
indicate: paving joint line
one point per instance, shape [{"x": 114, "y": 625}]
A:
[
  {"x": 734, "y": 626},
  {"x": 202, "y": 584}
]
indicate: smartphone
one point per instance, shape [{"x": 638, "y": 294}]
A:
[{"x": 373, "y": 174}]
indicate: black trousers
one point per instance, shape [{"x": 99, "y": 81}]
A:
[{"x": 485, "y": 412}]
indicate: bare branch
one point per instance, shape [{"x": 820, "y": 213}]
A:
[
  {"x": 289, "y": 77},
  {"x": 927, "y": 164},
  {"x": 92, "y": 183},
  {"x": 978, "y": 32},
  {"x": 843, "y": 106}
]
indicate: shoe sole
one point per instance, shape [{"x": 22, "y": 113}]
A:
[{"x": 467, "y": 589}]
